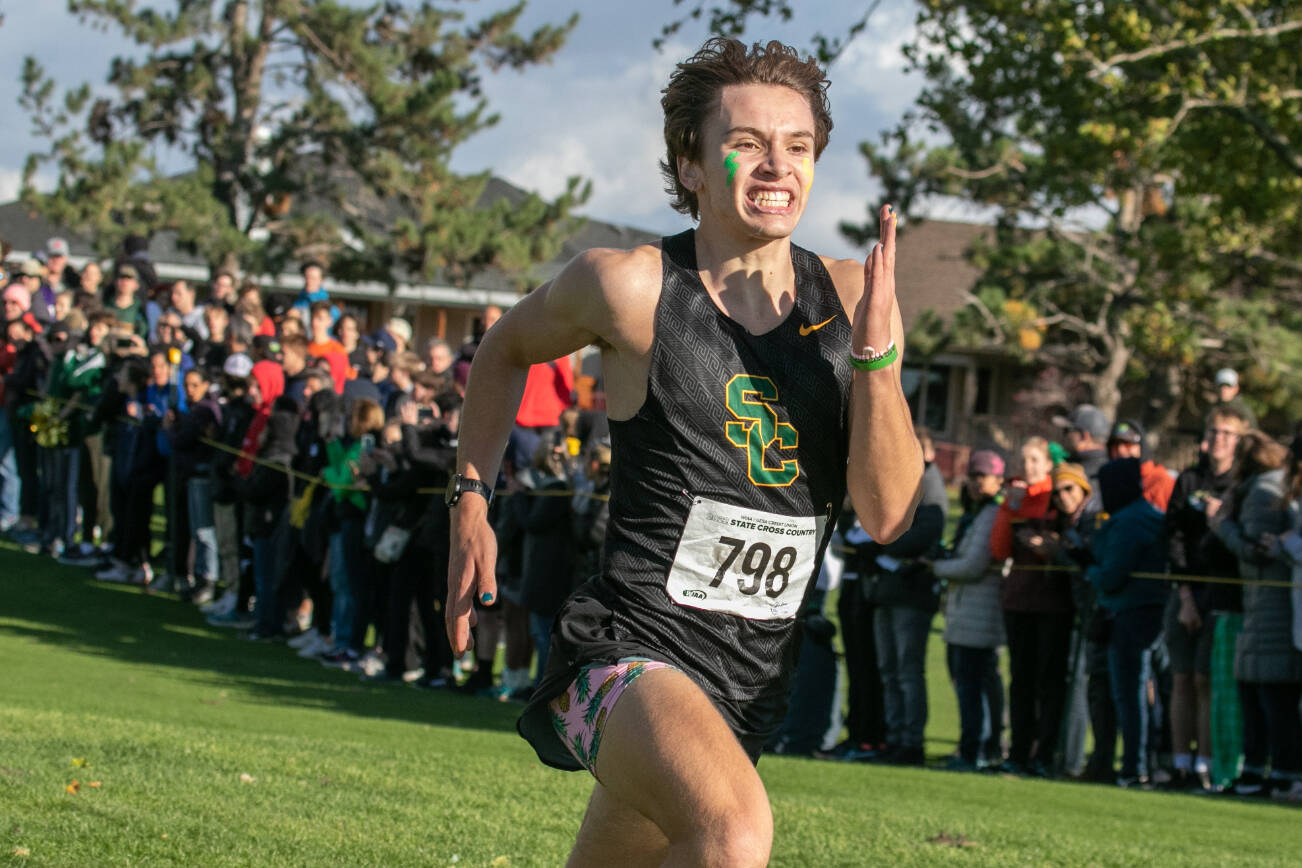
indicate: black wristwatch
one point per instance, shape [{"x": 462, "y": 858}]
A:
[{"x": 459, "y": 485}]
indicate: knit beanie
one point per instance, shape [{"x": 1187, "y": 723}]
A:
[{"x": 1069, "y": 472}]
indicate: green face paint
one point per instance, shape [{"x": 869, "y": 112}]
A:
[{"x": 730, "y": 163}]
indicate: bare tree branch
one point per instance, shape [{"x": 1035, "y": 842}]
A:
[{"x": 1105, "y": 65}]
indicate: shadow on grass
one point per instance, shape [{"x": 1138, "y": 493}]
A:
[{"x": 52, "y": 604}]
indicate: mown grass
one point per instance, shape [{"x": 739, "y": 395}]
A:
[{"x": 212, "y": 751}]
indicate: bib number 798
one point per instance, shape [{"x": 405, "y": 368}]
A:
[{"x": 752, "y": 563}]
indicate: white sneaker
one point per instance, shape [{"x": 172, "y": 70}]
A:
[
  {"x": 369, "y": 664},
  {"x": 320, "y": 646},
  {"x": 221, "y": 605},
  {"x": 302, "y": 640}
]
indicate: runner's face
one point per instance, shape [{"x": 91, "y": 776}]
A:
[{"x": 766, "y": 185}]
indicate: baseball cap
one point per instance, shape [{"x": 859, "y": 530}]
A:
[
  {"x": 56, "y": 247},
  {"x": 31, "y": 268},
  {"x": 238, "y": 365},
  {"x": 125, "y": 270},
  {"x": 1127, "y": 431},
  {"x": 985, "y": 463},
  {"x": 1087, "y": 418},
  {"x": 1227, "y": 377}
]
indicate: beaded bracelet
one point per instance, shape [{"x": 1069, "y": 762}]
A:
[{"x": 873, "y": 360}]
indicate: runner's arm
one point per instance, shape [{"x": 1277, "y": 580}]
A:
[
  {"x": 884, "y": 475},
  {"x": 554, "y": 320}
]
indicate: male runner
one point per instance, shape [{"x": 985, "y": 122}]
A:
[{"x": 738, "y": 420}]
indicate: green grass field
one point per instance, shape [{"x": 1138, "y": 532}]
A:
[{"x": 191, "y": 747}]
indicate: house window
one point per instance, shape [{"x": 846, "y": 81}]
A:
[
  {"x": 933, "y": 412},
  {"x": 981, "y": 405}
]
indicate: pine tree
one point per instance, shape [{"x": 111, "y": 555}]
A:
[{"x": 310, "y": 128}]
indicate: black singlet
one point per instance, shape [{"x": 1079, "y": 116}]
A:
[{"x": 733, "y": 424}]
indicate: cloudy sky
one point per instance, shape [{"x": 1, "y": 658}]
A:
[{"x": 593, "y": 111}]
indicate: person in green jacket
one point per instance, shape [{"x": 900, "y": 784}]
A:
[{"x": 73, "y": 389}]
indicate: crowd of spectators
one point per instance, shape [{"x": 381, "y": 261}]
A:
[
  {"x": 297, "y": 455},
  {"x": 1129, "y": 600}
]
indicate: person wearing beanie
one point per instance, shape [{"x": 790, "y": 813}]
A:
[
  {"x": 974, "y": 621},
  {"x": 18, "y": 305},
  {"x": 1129, "y": 542},
  {"x": 1065, "y": 542},
  {"x": 1126, "y": 440}
]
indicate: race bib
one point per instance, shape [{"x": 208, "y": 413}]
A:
[{"x": 744, "y": 561}]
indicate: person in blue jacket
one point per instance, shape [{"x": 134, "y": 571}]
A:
[{"x": 1129, "y": 542}]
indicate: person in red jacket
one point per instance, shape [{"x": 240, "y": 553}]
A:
[
  {"x": 1127, "y": 441},
  {"x": 1037, "y": 615}
]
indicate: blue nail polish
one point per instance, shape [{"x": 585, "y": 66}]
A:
[{"x": 487, "y": 597}]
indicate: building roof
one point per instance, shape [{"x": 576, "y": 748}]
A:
[
  {"x": 932, "y": 269},
  {"x": 27, "y": 232}
]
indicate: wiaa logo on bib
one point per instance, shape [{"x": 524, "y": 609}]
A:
[{"x": 694, "y": 594}]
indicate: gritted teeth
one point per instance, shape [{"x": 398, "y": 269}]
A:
[{"x": 771, "y": 198}]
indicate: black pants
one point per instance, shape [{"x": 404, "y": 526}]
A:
[
  {"x": 25, "y": 457},
  {"x": 1271, "y": 727},
  {"x": 980, "y": 692},
  {"x": 865, "y": 718},
  {"x": 139, "y": 502},
  {"x": 419, "y": 575},
  {"x": 1103, "y": 714},
  {"x": 1039, "y": 644}
]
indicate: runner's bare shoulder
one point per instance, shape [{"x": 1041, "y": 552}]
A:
[
  {"x": 613, "y": 294},
  {"x": 847, "y": 276}
]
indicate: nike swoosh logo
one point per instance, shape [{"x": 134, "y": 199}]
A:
[{"x": 810, "y": 329}]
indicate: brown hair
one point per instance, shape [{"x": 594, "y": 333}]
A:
[
  {"x": 367, "y": 418},
  {"x": 296, "y": 342},
  {"x": 1228, "y": 411},
  {"x": 694, "y": 89},
  {"x": 1259, "y": 452}
]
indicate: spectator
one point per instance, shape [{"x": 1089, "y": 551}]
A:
[
  {"x": 90, "y": 279},
  {"x": 1189, "y": 624},
  {"x": 251, "y": 310},
  {"x": 266, "y": 497},
  {"x": 974, "y": 621},
  {"x": 211, "y": 353},
  {"x": 1127, "y": 441},
  {"x": 546, "y": 522},
  {"x": 62, "y": 275},
  {"x": 399, "y": 331},
  {"x": 294, "y": 357},
  {"x": 1037, "y": 616},
  {"x": 313, "y": 292},
  {"x": 135, "y": 253},
  {"x": 1129, "y": 542},
  {"x": 189, "y": 427},
  {"x": 903, "y": 589},
  {"x": 1087, "y": 429},
  {"x": 124, "y": 303},
  {"x": 1266, "y": 664},
  {"x": 192, "y": 316},
  {"x": 349, "y": 334},
  {"x": 31, "y": 277},
  {"x": 223, "y": 290},
  {"x": 1227, "y": 395},
  {"x": 323, "y": 346},
  {"x": 438, "y": 358}
]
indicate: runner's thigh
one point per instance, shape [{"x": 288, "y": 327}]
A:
[
  {"x": 615, "y": 834},
  {"x": 667, "y": 753}
]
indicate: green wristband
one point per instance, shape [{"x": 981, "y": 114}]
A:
[{"x": 876, "y": 363}]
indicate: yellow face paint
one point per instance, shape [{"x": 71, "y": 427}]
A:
[{"x": 808, "y": 166}]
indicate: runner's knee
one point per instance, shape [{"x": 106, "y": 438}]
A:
[{"x": 742, "y": 840}]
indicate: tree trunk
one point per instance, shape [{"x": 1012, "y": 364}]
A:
[{"x": 1107, "y": 382}]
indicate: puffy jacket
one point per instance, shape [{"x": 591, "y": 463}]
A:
[
  {"x": 974, "y": 617},
  {"x": 1265, "y": 651}
]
